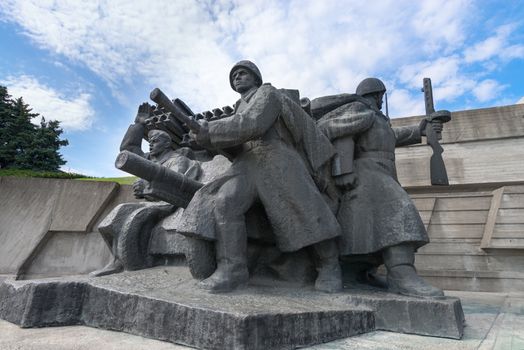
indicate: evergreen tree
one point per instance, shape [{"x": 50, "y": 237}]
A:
[
  {"x": 24, "y": 145},
  {"x": 21, "y": 133},
  {"x": 42, "y": 153},
  {"x": 6, "y": 119}
]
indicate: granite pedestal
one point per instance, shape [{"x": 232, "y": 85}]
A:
[{"x": 163, "y": 303}]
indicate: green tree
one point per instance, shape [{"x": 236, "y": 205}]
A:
[
  {"x": 7, "y": 118},
  {"x": 24, "y": 145}
]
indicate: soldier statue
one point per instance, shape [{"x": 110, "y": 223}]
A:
[
  {"x": 278, "y": 160},
  {"x": 379, "y": 221},
  {"x": 128, "y": 227}
]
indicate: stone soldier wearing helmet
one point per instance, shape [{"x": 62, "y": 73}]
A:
[
  {"x": 281, "y": 153},
  {"x": 379, "y": 221}
]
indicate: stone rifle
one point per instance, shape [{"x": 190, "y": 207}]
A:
[
  {"x": 437, "y": 168},
  {"x": 165, "y": 184}
]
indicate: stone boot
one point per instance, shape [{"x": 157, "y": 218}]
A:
[
  {"x": 231, "y": 272},
  {"x": 402, "y": 277},
  {"x": 370, "y": 277},
  {"x": 329, "y": 277}
]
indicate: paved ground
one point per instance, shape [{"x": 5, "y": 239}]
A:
[{"x": 494, "y": 321}]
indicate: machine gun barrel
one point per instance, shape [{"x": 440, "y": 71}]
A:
[
  {"x": 163, "y": 101},
  {"x": 180, "y": 111},
  {"x": 166, "y": 184}
]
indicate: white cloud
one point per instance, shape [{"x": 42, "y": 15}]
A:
[
  {"x": 402, "y": 103},
  {"x": 320, "y": 47},
  {"x": 497, "y": 45},
  {"x": 447, "y": 79},
  {"x": 170, "y": 44},
  {"x": 487, "y": 90},
  {"x": 74, "y": 113},
  {"x": 441, "y": 24}
]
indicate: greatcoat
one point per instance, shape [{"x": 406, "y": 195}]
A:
[
  {"x": 378, "y": 213},
  {"x": 282, "y": 150}
]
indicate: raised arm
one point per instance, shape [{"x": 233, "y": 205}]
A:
[
  {"x": 347, "y": 120},
  {"x": 132, "y": 140},
  {"x": 407, "y": 135}
]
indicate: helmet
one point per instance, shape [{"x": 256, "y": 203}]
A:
[
  {"x": 250, "y": 66},
  {"x": 156, "y": 133},
  {"x": 369, "y": 86}
]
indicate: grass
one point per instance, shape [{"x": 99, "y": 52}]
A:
[
  {"x": 37, "y": 173},
  {"x": 127, "y": 180}
]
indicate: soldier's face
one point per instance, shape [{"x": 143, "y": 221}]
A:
[
  {"x": 243, "y": 80},
  {"x": 157, "y": 145},
  {"x": 380, "y": 100}
]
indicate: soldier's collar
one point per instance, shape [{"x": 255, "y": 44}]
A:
[
  {"x": 373, "y": 107},
  {"x": 250, "y": 94},
  {"x": 163, "y": 157}
]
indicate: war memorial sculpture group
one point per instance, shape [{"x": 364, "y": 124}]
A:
[{"x": 284, "y": 209}]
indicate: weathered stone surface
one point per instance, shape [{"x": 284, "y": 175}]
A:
[
  {"x": 163, "y": 303},
  {"x": 494, "y": 321},
  {"x": 402, "y": 314}
]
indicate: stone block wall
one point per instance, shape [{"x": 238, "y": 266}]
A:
[
  {"x": 477, "y": 235},
  {"x": 476, "y": 225}
]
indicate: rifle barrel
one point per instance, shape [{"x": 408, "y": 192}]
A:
[{"x": 428, "y": 96}]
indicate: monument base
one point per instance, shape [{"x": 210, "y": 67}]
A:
[{"x": 164, "y": 303}]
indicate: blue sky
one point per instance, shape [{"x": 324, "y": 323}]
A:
[{"x": 90, "y": 64}]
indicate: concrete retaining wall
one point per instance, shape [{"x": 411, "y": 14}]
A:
[
  {"x": 477, "y": 237},
  {"x": 476, "y": 225},
  {"x": 480, "y": 146},
  {"x": 48, "y": 226}
]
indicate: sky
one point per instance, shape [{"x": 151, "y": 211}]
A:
[{"x": 91, "y": 63}]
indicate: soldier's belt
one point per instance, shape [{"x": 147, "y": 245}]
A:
[
  {"x": 268, "y": 140},
  {"x": 248, "y": 146},
  {"x": 376, "y": 155}
]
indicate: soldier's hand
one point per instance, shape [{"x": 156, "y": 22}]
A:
[
  {"x": 138, "y": 188},
  {"x": 347, "y": 181},
  {"x": 202, "y": 137},
  {"x": 436, "y": 125},
  {"x": 144, "y": 112}
]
